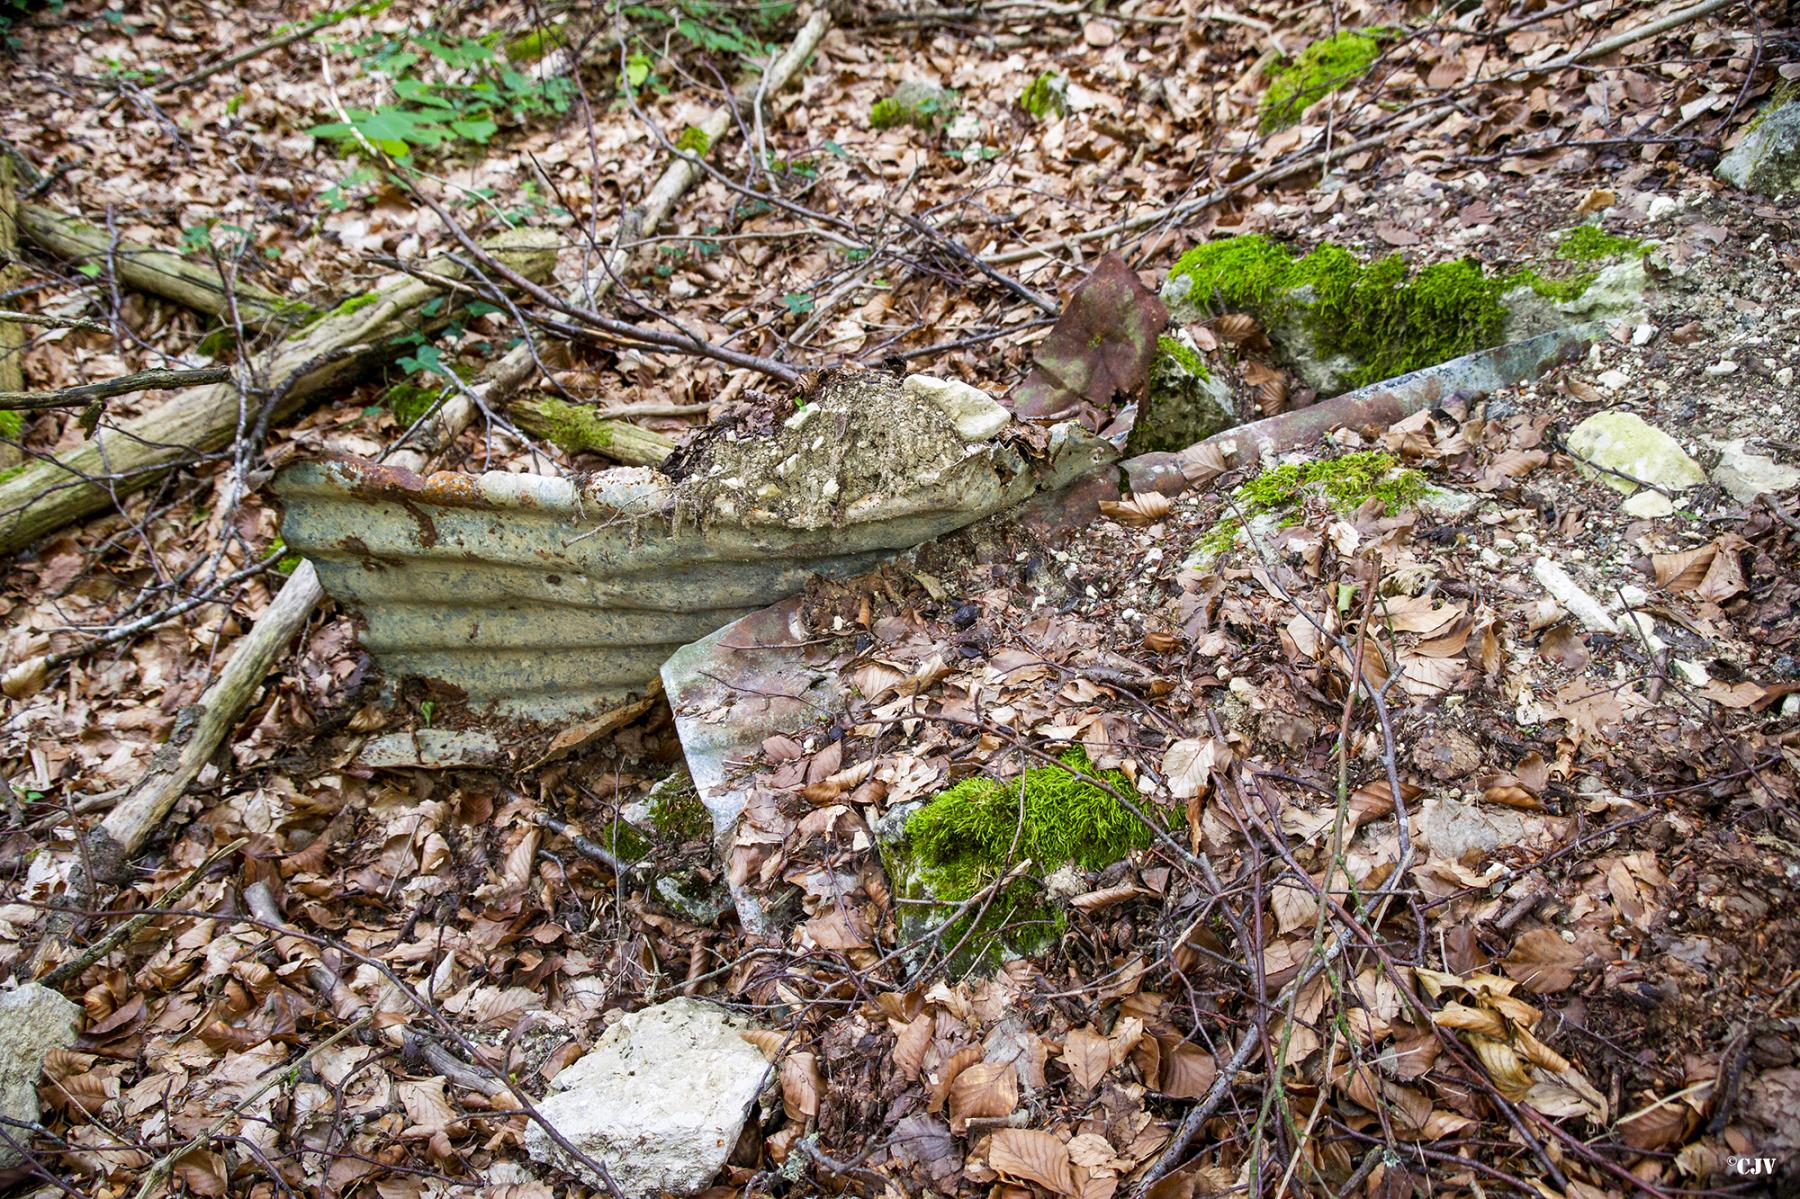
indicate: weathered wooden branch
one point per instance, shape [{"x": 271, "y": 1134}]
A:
[
  {"x": 12, "y": 337},
  {"x": 580, "y": 429},
  {"x": 83, "y": 394},
  {"x": 159, "y": 272},
  {"x": 9, "y": 316},
  {"x": 49, "y": 494}
]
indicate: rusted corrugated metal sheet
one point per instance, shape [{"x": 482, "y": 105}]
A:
[{"x": 548, "y": 598}]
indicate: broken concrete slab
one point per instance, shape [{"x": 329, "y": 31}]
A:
[
  {"x": 431, "y": 749},
  {"x": 33, "y": 1021},
  {"x": 976, "y": 415},
  {"x": 660, "y": 1099},
  {"x": 552, "y": 598},
  {"x": 1767, "y": 160}
]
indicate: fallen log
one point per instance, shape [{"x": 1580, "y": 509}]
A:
[
  {"x": 580, "y": 429},
  {"x": 53, "y": 492},
  {"x": 159, "y": 272}
]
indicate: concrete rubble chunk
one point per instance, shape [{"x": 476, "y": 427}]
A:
[
  {"x": 1747, "y": 475},
  {"x": 976, "y": 415},
  {"x": 660, "y": 1099},
  {"x": 33, "y": 1021},
  {"x": 1621, "y": 449},
  {"x": 1767, "y": 160}
]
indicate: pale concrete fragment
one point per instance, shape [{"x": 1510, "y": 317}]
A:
[
  {"x": 976, "y": 415},
  {"x": 33, "y": 1021},
  {"x": 1747, "y": 475},
  {"x": 1768, "y": 159},
  {"x": 660, "y": 1099}
]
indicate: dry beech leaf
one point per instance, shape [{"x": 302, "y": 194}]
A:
[
  {"x": 1543, "y": 962},
  {"x": 801, "y": 1085},
  {"x": 1107, "y": 897},
  {"x": 1189, "y": 764},
  {"x": 768, "y": 1041},
  {"x": 1087, "y": 1056},
  {"x": 1143, "y": 508},
  {"x": 948, "y": 1073},
  {"x": 1033, "y": 1156},
  {"x": 1188, "y": 1071},
  {"x": 1235, "y": 328},
  {"x": 985, "y": 1090},
  {"x": 203, "y": 1172}
]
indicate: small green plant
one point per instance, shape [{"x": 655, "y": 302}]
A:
[
  {"x": 693, "y": 140},
  {"x": 1046, "y": 96},
  {"x": 1322, "y": 68},
  {"x": 445, "y": 91}
]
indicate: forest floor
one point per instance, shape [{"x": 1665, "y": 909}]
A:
[{"x": 1581, "y": 838}]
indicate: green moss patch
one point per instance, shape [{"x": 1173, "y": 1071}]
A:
[
  {"x": 12, "y": 423},
  {"x": 694, "y": 140},
  {"x": 1178, "y": 353},
  {"x": 1298, "y": 83},
  {"x": 958, "y": 843},
  {"x": 409, "y": 402},
  {"x": 1589, "y": 243},
  {"x": 678, "y": 815},
  {"x": 1346, "y": 483},
  {"x": 575, "y": 428}
]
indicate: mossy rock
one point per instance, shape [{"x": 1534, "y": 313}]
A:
[
  {"x": 1274, "y": 499},
  {"x": 1343, "y": 322},
  {"x": 941, "y": 852},
  {"x": 1047, "y": 96},
  {"x": 921, "y": 105},
  {"x": 1185, "y": 402},
  {"x": 1326, "y": 65}
]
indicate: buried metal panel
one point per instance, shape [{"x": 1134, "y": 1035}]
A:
[{"x": 547, "y": 598}]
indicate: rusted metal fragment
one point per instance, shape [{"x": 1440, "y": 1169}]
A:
[
  {"x": 1101, "y": 349},
  {"x": 1379, "y": 405},
  {"x": 551, "y": 598}
]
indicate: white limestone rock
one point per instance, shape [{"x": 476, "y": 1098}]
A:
[
  {"x": 660, "y": 1099},
  {"x": 33, "y": 1021},
  {"x": 1623, "y": 442}
]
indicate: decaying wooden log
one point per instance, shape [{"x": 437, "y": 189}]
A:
[
  {"x": 50, "y": 493},
  {"x": 159, "y": 272},
  {"x": 580, "y": 429}
]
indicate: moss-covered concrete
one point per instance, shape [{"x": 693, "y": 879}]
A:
[
  {"x": 1273, "y": 499},
  {"x": 1343, "y": 321},
  {"x": 959, "y": 841},
  {"x": 1184, "y": 403}
]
